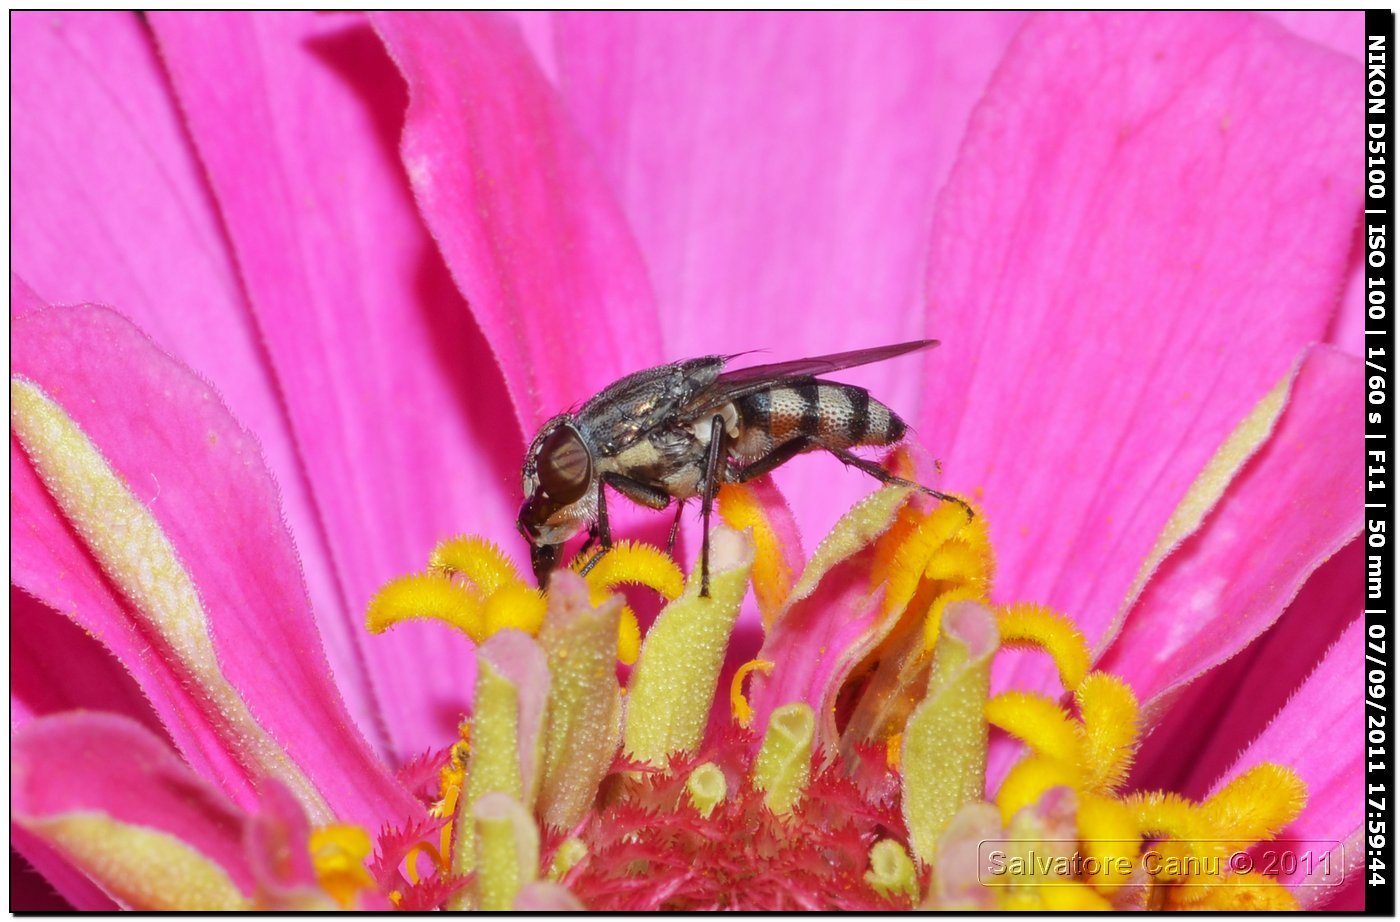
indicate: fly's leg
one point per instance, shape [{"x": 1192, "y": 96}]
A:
[
  {"x": 884, "y": 476},
  {"x": 600, "y": 530},
  {"x": 634, "y": 490},
  {"x": 592, "y": 537},
  {"x": 775, "y": 458},
  {"x": 675, "y": 528},
  {"x": 713, "y": 460}
]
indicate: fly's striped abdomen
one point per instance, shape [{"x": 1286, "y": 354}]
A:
[{"x": 832, "y": 415}]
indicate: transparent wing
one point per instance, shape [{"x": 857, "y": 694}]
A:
[{"x": 735, "y": 384}]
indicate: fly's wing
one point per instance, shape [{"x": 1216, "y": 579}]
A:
[
  {"x": 735, "y": 384},
  {"x": 634, "y": 406}
]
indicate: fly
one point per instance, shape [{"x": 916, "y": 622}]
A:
[{"x": 677, "y": 431}]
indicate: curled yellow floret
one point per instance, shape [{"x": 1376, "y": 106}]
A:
[
  {"x": 478, "y": 560},
  {"x": 430, "y": 596},
  {"x": 1027, "y": 625},
  {"x": 632, "y": 564},
  {"x": 739, "y": 706}
]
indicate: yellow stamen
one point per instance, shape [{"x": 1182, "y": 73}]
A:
[
  {"x": 477, "y": 559},
  {"x": 429, "y": 596},
  {"x": 1028, "y": 781},
  {"x": 739, "y": 705},
  {"x": 1037, "y": 721},
  {"x": 1110, "y": 837},
  {"x": 1164, "y": 814},
  {"x": 411, "y": 861},
  {"x": 772, "y": 577},
  {"x": 960, "y": 563},
  {"x": 632, "y": 564},
  {"x": 1071, "y": 896},
  {"x": 629, "y": 637},
  {"x": 1108, "y": 739},
  {"x": 338, "y": 853},
  {"x": 514, "y": 605},
  {"x": 1028, "y": 625},
  {"x": 453, "y": 774},
  {"x": 912, "y": 556},
  {"x": 1251, "y": 892},
  {"x": 1253, "y": 807},
  {"x": 933, "y": 621},
  {"x": 1257, "y": 805},
  {"x": 893, "y": 744}
]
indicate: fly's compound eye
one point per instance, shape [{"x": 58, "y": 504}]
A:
[{"x": 564, "y": 467}]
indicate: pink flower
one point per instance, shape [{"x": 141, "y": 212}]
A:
[{"x": 353, "y": 264}]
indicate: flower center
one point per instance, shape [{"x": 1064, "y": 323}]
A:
[{"x": 868, "y": 794}]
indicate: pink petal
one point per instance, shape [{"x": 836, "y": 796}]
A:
[
  {"x": 59, "y": 887},
  {"x": 1204, "y": 726},
  {"x": 520, "y": 211},
  {"x": 1305, "y": 737},
  {"x": 1291, "y": 507},
  {"x": 780, "y": 172},
  {"x": 823, "y": 635},
  {"x": 396, "y": 402},
  {"x": 277, "y": 843},
  {"x": 112, "y": 206},
  {"x": 1344, "y": 31},
  {"x": 537, "y": 30},
  {"x": 1348, "y": 330},
  {"x": 23, "y": 299},
  {"x": 201, "y": 476},
  {"x": 94, "y": 762},
  {"x": 55, "y": 666},
  {"x": 48, "y": 561},
  {"x": 1107, "y": 312}
]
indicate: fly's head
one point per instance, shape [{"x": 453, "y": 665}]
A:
[{"x": 558, "y": 483}]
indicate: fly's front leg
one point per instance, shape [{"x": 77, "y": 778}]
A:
[
  {"x": 714, "y": 459},
  {"x": 592, "y": 537},
  {"x": 675, "y": 528},
  {"x": 884, "y": 476},
  {"x": 634, "y": 490},
  {"x": 600, "y": 530}
]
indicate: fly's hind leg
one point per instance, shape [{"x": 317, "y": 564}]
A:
[
  {"x": 884, "y": 476},
  {"x": 774, "y": 459},
  {"x": 634, "y": 490}
]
